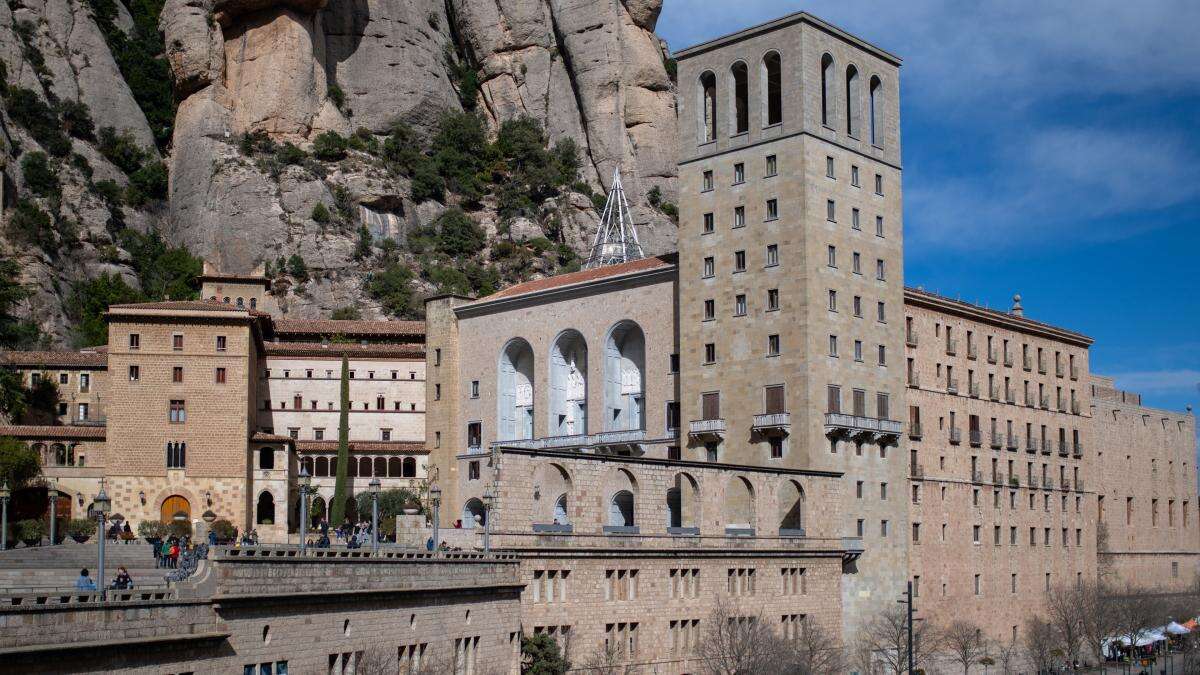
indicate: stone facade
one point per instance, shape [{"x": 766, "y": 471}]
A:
[{"x": 791, "y": 268}]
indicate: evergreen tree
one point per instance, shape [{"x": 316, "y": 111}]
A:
[{"x": 341, "y": 487}]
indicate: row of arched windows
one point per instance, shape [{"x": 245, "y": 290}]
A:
[
  {"x": 771, "y": 99},
  {"x": 362, "y": 467},
  {"x": 622, "y": 370},
  {"x": 240, "y": 302},
  {"x": 58, "y": 454}
]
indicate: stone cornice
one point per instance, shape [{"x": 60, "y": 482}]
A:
[{"x": 966, "y": 310}]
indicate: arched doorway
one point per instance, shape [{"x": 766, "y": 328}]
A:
[
  {"x": 173, "y": 506},
  {"x": 264, "y": 513}
]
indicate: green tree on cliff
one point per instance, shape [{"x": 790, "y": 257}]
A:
[{"x": 337, "y": 511}]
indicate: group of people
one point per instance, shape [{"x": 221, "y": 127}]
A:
[
  {"x": 355, "y": 535},
  {"x": 166, "y": 552},
  {"x": 121, "y": 582},
  {"x": 121, "y": 531}
]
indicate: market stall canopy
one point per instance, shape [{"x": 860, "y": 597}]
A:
[{"x": 1175, "y": 629}]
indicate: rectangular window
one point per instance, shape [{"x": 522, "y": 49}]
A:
[
  {"x": 220, "y": 376},
  {"x": 220, "y": 343},
  {"x": 831, "y": 256},
  {"x": 176, "y": 455},
  {"x": 772, "y": 255},
  {"x": 879, "y": 271},
  {"x": 134, "y": 373},
  {"x": 739, "y": 305},
  {"x": 830, "y": 211},
  {"x": 858, "y": 350},
  {"x": 832, "y": 300},
  {"x": 177, "y": 342},
  {"x": 858, "y": 306},
  {"x": 881, "y": 406},
  {"x": 878, "y": 226},
  {"x": 856, "y": 263},
  {"x": 177, "y": 412},
  {"x": 833, "y": 350},
  {"x": 854, "y": 175},
  {"x": 710, "y": 405},
  {"x": 135, "y": 341},
  {"x": 672, "y": 415},
  {"x": 710, "y": 352},
  {"x": 673, "y": 363},
  {"x": 710, "y": 310},
  {"x": 707, "y": 183},
  {"x": 739, "y": 261},
  {"x": 709, "y": 223},
  {"x": 882, "y": 355},
  {"x": 772, "y": 345},
  {"x": 739, "y": 173},
  {"x": 473, "y": 471},
  {"x": 833, "y": 398},
  {"x": 772, "y": 166},
  {"x": 880, "y": 313},
  {"x": 772, "y": 299},
  {"x": 854, "y": 220},
  {"x": 772, "y": 209},
  {"x": 739, "y": 216},
  {"x": 474, "y": 388},
  {"x": 878, "y": 184},
  {"x": 177, "y": 374},
  {"x": 829, "y": 167},
  {"x": 709, "y": 267}
]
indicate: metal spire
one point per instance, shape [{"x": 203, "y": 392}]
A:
[{"x": 616, "y": 239}]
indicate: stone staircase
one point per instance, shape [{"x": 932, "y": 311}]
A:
[{"x": 46, "y": 566}]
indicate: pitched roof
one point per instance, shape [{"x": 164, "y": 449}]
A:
[
  {"x": 348, "y": 349},
  {"x": 48, "y": 359},
  {"x": 382, "y": 447},
  {"x": 188, "y": 306},
  {"x": 52, "y": 432},
  {"x": 584, "y": 276},
  {"x": 263, "y": 437},
  {"x": 357, "y": 328}
]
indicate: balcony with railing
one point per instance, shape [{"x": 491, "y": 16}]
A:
[
  {"x": 865, "y": 429},
  {"x": 976, "y": 437},
  {"x": 955, "y": 436},
  {"x": 1012, "y": 442},
  {"x": 1030, "y": 399},
  {"x": 1031, "y": 445},
  {"x": 1047, "y": 483},
  {"x": 1045, "y": 401},
  {"x": 1079, "y": 485},
  {"x": 1010, "y": 396},
  {"x": 952, "y": 385},
  {"x": 1008, "y": 360},
  {"x": 1026, "y": 362},
  {"x": 917, "y": 471},
  {"x": 1058, "y": 370},
  {"x": 914, "y": 430},
  {"x": 910, "y": 339},
  {"x": 951, "y": 346},
  {"x": 914, "y": 379},
  {"x": 1074, "y": 372},
  {"x": 994, "y": 391},
  {"x": 1064, "y": 449},
  {"x": 1075, "y": 407},
  {"x": 772, "y": 423},
  {"x": 997, "y": 440},
  {"x": 1078, "y": 449},
  {"x": 972, "y": 351},
  {"x": 1062, "y": 405},
  {"x": 991, "y": 356},
  {"x": 973, "y": 388},
  {"x": 617, "y": 441},
  {"x": 1041, "y": 366},
  {"x": 707, "y": 430},
  {"x": 1047, "y": 447}
]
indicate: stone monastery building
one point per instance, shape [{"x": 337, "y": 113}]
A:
[{"x": 768, "y": 418}]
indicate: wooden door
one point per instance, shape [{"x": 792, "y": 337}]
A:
[{"x": 175, "y": 504}]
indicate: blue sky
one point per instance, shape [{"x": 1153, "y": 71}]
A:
[{"x": 1050, "y": 149}]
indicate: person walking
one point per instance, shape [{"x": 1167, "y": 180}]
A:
[
  {"x": 165, "y": 553},
  {"x": 174, "y": 555},
  {"x": 84, "y": 582},
  {"x": 157, "y": 551}
]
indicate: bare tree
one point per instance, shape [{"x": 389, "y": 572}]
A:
[
  {"x": 606, "y": 660},
  {"x": 813, "y": 652},
  {"x": 964, "y": 640},
  {"x": 1062, "y": 613},
  {"x": 1135, "y": 612},
  {"x": 1097, "y": 618},
  {"x": 886, "y": 637},
  {"x": 1039, "y": 643},
  {"x": 739, "y": 644},
  {"x": 1007, "y": 655},
  {"x": 375, "y": 661}
]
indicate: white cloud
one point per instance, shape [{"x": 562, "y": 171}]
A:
[{"x": 1159, "y": 382}]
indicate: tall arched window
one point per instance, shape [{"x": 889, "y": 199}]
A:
[
  {"x": 380, "y": 467},
  {"x": 739, "y": 504},
  {"x": 364, "y": 467},
  {"x": 624, "y": 368},
  {"x": 264, "y": 513},
  {"x": 555, "y": 489},
  {"x": 683, "y": 502},
  {"x": 266, "y": 458},
  {"x": 620, "y": 509},
  {"x": 394, "y": 470},
  {"x": 772, "y": 97},
  {"x": 707, "y": 107},
  {"x": 471, "y": 510},
  {"x": 791, "y": 509},
  {"x": 739, "y": 96},
  {"x": 827, "y": 84},
  {"x": 321, "y": 467},
  {"x": 568, "y": 385},
  {"x": 876, "y": 110},
  {"x": 853, "y": 104},
  {"x": 514, "y": 399},
  {"x": 410, "y": 467}
]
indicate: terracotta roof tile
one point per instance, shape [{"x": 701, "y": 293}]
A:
[
  {"x": 385, "y": 447},
  {"x": 55, "y": 359},
  {"x": 52, "y": 432},
  {"x": 285, "y": 327},
  {"x": 584, "y": 276},
  {"x": 190, "y": 306},
  {"x": 349, "y": 349},
  {"x": 263, "y": 437}
]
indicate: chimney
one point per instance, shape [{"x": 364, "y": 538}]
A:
[{"x": 1017, "y": 309}]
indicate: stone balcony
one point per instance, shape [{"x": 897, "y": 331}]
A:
[
  {"x": 772, "y": 423},
  {"x": 707, "y": 430},
  {"x": 610, "y": 441},
  {"x": 863, "y": 429}
]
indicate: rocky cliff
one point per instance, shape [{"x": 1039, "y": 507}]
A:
[{"x": 304, "y": 135}]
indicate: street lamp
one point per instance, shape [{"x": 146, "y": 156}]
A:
[
  {"x": 374, "y": 485},
  {"x": 304, "y": 479},
  {"x": 52, "y": 493},
  {"x": 102, "y": 505},
  {"x": 488, "y": 497},
  {"x": 435, "y": 496},
  {"x": 4, "y": 495}
]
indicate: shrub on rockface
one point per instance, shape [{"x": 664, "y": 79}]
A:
[
  {"x": 329, "y": 147},
  {"x": 40, "y": 176},
  {"x": 28, "y": 110},
  {"x": 391, "y": 286},
  {"x": 458, "y": 235},
  {"x": 148, "y": 183},
  {"x": 163, "y": 271},
  {"x": 88, "y": 302},
  {"x": 121, "y": 149},
  {"x": 140, "y": 58},
  {"x": 30, "y": 224},
  {"x": 77, "y": 119}
]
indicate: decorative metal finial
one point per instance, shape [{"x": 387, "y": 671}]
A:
[
  {"x": 1017, "y": 309},
  {"x": 616, "y": 239}
]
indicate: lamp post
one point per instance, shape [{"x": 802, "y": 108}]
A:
[
  {"x": 435, "y": 496},
  {"x": 488, "y": 497},
  {"x": 4, "y": 495},
  {"x": 303, "y": 479},
  {"x": 52, "y": 493},
  {"x": 374, "y": 485},
  {"x": 103, "y": 505}
]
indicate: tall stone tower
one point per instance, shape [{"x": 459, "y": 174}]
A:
[{"x": 791, "y": 274}]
